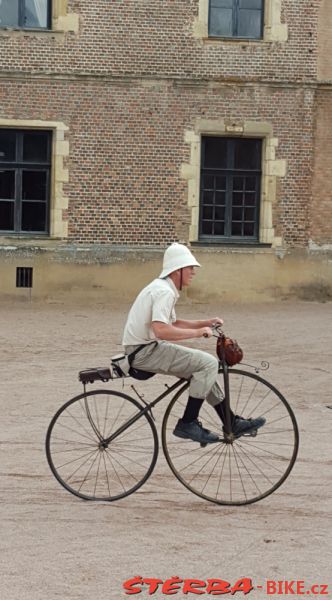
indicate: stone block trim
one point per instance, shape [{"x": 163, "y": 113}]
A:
[
  {"x": 62, "y": 19},
  {"x": 321, "y": 205},
  {"x": 59, "y": 173},
  {"x": 271, "y": 170},
  {"x": 274, "y": 29},
  {"x": 325, "y": 41}
]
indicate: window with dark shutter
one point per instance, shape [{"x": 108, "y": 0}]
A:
[
  {"x": 25, "y": 165},
  {"x": 230, "y": 189}
]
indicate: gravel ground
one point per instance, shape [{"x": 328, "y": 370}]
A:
[{"x": 54, "y": 545}]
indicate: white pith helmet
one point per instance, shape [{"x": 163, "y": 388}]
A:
[{"x": 177, "y": 256}]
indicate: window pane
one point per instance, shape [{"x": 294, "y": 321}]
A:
[
  {"x": 219, "y": 213},
  {"x": 33, "y": 216},
  {"x": 220, "y": 183},
  {"x": 7, "y": 185},
  {"x": 250, "y": 23},
  {"x": 208, "y": 212},
  {"x": 249, "y": 229},
  {"x": 249, "y": 214},
  {"x": 250, "y": 199},
  {"x": 207, "y": 197},
  {"x": 7, "y": 215},
  {"x": 220, "y": 198},
  {"x": 208, "y": 182},
  {"x": 251, "y": 4},
  {"x": 221, "y": 22},
  {"x": 207, "y": 227},
  {"x": 250, "y": 183},
  {"x": 219, "y": 228},
  {"x": 7, "y": 145},
  {"x": 33, "y": 185},
  {"x": 247, "y": 154},
  {"x": 35, "y": 147},
  {"x": 236, "y": 228},
  {"x": 237, "y": 199},
  {"x": 237, "y": 214},
  {"x": 35, "y": 13},
  {"x": 221, "y": 3},
  {"x": 238, "y": 183},
  {"x": 9, "y": 13},
  {"x": 215, "y": 155}
]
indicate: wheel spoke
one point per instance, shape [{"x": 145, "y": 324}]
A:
[
  {"x": 247, "y": 470},
  {"x": 112, "y": 458},
  {"x": 88, "y": 473}
]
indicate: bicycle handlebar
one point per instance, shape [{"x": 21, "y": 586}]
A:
[{"x": 217, "y": 329}]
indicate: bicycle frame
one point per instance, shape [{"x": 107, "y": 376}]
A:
[{"x": 148, "y": 407}]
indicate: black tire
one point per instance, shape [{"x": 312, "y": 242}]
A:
[
  {"x": 249, "y": 468},
  {"x": 77, "y": 457}
]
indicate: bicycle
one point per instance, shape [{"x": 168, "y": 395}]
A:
[{"x": 102, "y": 445}]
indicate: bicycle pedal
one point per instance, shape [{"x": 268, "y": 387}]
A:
[{"x": 252, "y": 433}]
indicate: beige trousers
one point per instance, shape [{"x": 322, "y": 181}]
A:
[{"x": 195, "y": 365}]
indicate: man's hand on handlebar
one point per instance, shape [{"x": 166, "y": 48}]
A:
[
  {"x": 216, "y": 322},
  {"x": 213, "y": 325},
  {"x": 205, "y": 332}
]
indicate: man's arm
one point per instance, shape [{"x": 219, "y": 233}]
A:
[
  {"x": 183, "y": 324},
  {"x": 173, "y": 333}
]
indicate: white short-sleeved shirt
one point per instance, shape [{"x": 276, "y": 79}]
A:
[{"x": 155, "y": 302}]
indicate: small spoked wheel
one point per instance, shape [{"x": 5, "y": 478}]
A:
[
  {"x": 235, "y": 470},
  {"x": 85, "y": 462}
]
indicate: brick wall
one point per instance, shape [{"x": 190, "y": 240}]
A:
[
  {"x": 134, "y": 79},
  {"x": 127, "y": 145},
  {"x": 155, "y": 38}
]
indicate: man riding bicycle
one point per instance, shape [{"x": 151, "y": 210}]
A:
[{"x": 149, "y": 335}]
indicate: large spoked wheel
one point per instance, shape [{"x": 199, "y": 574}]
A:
[
  {"x": 82, "y": 459},
  {"x": 241, "y": 470}
]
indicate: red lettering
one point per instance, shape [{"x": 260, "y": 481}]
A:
[
  {"x": 323, "y": 589},
  {"x": 153, "y": 584},
  {"x": 300, "y": 587},
  {"x": 217, "y": 587},
  {"x": 289, "y": 589},
  {"x": 242, "y": 585},
  {"x": 191, "y": 586},
  {"x": 130, "y": 583},
  {"x": 171, "y": 586},
  {"x": 271, "y": 587}
]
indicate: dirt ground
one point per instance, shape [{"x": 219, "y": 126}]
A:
[{"x": 55, "y": 546}]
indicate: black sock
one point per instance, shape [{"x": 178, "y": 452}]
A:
[
  {"x": 220, "y": 410},
  {"x": 192, "y": 409}
]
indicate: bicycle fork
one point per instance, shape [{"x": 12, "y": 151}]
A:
[{"x": 227, "y": 403}]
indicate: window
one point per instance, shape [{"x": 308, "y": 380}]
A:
[
  {"x": 236, "y": 18},
  {"x": 230, "y": 189},
  {"x": 24, "y": 181},
  {"x": 25, "y": 14}
]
